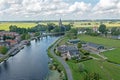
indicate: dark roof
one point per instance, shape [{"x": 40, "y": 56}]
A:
[
  {"x": 73, "y": 52},
  {"x": 94, "y": 45},
  {"x": 62, "y": 48},
  {"x": 72, "y": 49},
  {"x": 74, "y": 41}
]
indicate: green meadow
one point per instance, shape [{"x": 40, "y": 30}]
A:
[
  {"x": 106, "y": 70},
  {"x": 5, "y": 25},
  {"x": 113, "y": 55},
  {"x": 101, "y": 40},
  {"x": 95, "y": 24},
  {"x": 80, "y": 24}
]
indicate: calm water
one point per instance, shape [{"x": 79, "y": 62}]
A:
[{"x": 31, "y": 63}]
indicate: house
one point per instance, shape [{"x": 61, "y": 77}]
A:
[
  {"x": 7, "y": 44},
  {"x": 72, "y": 52},
  {"x": 94, "y": 46},
  {"x": 68, "y": 51},
  {"x": 12, "y": 42},
  {"x": 74, "y": 41},
  {"x": 6, "y": 33}
]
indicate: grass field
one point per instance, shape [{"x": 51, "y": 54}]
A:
[
  {"x": 95, "y": 24},
  {"x": 86, "y": 24},
  {"x": 5, "y": 26},
  {"x": 101, "y": 40},
  {"x": 113, "y": 55},
  {"x": 107, "y": 71}
]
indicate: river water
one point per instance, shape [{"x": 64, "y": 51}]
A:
[{"x": 31, "y": 63}]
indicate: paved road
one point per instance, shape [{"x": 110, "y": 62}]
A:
[{"x": 68, "y": 71}]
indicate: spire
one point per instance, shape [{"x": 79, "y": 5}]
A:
[{"x": 60, "y": 23}]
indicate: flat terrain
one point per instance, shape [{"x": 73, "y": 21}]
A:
[
  {"x": 5, "y": 25},
  {"x": 106, "y": 70},
  {"x": 95, "y": 24},
  {"x": 113, "y": 55},
  {"x": 101, "y": 40}
]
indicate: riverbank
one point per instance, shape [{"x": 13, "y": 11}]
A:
[
  {"x": 54, "y": 60},
  {"x": 14, "y": 50},
  {"x": 59, "y": 60},
  {"x": 31, "y": 63}
]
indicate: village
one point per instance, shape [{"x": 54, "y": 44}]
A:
[{"x": 11, "y": 43}]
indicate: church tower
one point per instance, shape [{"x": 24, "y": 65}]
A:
[{"x": 60, "y": 23}]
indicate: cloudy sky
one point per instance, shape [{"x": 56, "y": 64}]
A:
[{"x": 11, "y": 10}]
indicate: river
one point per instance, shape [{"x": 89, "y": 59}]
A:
[{"x": 31, "y": 63}]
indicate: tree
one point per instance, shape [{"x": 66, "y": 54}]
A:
[
  {"x": 115, "y": 31},
  {"x": 102, "y": 28},
  {"x": 81, "y": 67},
  {"x": 74, "y": 31},
  {"x": 3, "y": 49},
  {"x": 37, "y": 33},
  {"x": 92, "y": 76},
  {"x": 51, "y": 26},
  {"x": 79, "y": 45},
  {"x": 25, "y": 36}
]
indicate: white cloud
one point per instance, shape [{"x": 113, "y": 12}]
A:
[
  {"x": 57, "y": 8},
  {"x": 4, "y": 5},
  {"x": 79, "y": 6}
]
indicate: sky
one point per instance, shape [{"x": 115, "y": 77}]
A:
[{"x": 19, "y": 10}]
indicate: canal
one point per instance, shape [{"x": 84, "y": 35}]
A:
[{"x": 31, "y": 63}]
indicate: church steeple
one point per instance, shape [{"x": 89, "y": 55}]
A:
[{"x": 60, "y": 23}]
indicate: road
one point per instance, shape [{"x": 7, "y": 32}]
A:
[{"x": 65, "y": 65}]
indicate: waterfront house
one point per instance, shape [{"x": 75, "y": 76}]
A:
[
  {"x": 7, "y": 44},
  {"x": 12, "y": 42},
  {"x": 68, "y": 51},
  {"x": 7, "y": 33}
]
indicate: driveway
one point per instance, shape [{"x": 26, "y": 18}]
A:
[{"x": 65, "y": 65}]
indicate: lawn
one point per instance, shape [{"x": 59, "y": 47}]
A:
[
  {"x": 75, "y": 71},
  {"x": 5, "y": 25},
  {"x": 107, "y": 71},
  {"x": 113, "y": 55},
  {"x": 100, "y": 40}
]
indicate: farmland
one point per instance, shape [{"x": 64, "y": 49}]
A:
[
  {"x": 79, "y": 24},
  {"x": 5, "y": 25},
  {"x": 90, "y": 24},
  {"x": 101, "y": 40}
]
